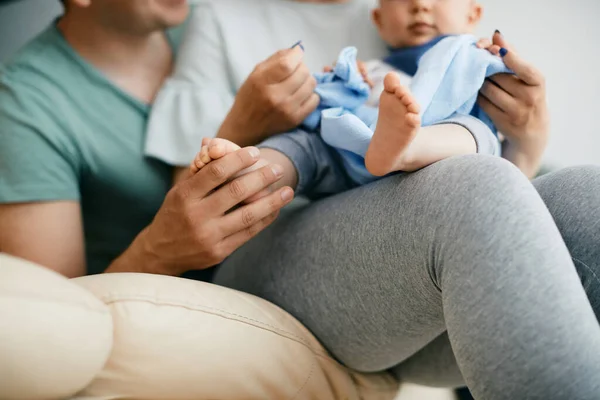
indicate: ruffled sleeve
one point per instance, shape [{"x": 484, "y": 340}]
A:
[{"x": 194, "y": 101}]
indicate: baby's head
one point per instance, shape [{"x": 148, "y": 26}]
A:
[{"x": 403, "y": 23}]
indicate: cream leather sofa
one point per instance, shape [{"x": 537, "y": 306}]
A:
[{"x": 147, "y": 337}]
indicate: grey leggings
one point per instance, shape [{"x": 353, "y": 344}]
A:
[{"x": 455, "y": 273}]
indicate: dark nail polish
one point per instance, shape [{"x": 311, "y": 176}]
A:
[
  {"x": 503, "y": 52},
  {"x": 299, "y": 43},
  {"x": 498, "y": 32}
]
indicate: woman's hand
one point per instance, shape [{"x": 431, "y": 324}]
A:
[
  {"x": 196, "y": 228},
  {"x": 517, "y": 106},
  {"x": 277, "y": 96}
]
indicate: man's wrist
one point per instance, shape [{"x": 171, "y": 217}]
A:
[{"x": 139, "y": 258}]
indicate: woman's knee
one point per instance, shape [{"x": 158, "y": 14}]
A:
[
  {"x": 485, "y": 187},
  {"x": 484, "y": 204},
  {"x": 573, "y": 182}
]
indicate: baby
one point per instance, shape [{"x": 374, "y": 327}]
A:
[{"x": 399, "y": 142}]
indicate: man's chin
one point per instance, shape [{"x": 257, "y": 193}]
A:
[{"x": 174, "y": 18}]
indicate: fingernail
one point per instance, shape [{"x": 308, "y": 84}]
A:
[
  {"x": 277, "y": 170},
  {"x": 254, "y": 152},
  {"x": 299, "y": 43},
  {"x": 498, "y": 32},
  {"x": 287, "y": 194},
  {"x": 503, "y": 52}
]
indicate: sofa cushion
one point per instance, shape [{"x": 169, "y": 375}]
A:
[
  {"x": 180, "y": 339},
  {"x": 54, "y": 335}
]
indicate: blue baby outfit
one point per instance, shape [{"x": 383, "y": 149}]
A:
[{"x": 450, "y": 73}]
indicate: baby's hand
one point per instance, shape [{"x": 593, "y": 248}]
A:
[
  {"x": 489, "y": 46},
  {"x": 362, "y": 68}
]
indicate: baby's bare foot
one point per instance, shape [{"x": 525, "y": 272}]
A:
[
  {"x": 397, "y": 126},
  {"x": 212, "y": 149}
]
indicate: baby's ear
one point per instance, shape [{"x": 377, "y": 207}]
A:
[
  {"x": 475, "y": 14},
  {"x": 376, "y": 17}
]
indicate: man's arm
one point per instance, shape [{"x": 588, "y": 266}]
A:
[
  {"x": 194, "y": 229},
  {"x": 50, "y": 234}
]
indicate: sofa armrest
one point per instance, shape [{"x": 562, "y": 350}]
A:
[
  {"x": 183, "y": 339},
  {"x": 54, "y": 335},
  {"x": 150, "y": 337}
]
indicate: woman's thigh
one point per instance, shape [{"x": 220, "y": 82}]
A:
[{"x": 465, "y": 245}]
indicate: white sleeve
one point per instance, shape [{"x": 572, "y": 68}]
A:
[{"x": 194, "y": 101}]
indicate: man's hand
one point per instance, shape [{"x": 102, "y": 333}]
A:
[
  {"x": 277, "y": 96},
  {"x": 197, "y": 226}
]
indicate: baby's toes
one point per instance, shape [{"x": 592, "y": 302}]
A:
[{"x": 220, "y": 147}]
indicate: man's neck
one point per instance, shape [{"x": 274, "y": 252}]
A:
[{"x": 127, "y": 58}]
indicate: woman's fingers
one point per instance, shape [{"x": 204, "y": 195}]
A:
[
  {"x": 309, "y": 105},
  {"x": 498, "y": 39},
  {"x": 297, "y": 80},
  {"x": 300, "y": 97},
  {"x": 281, "y": 65},
  {"x": 511, "y": 84},
  {"x": 524, "y": 70},
  {"x": 490, "y": 109},
  {"x": 498, "y": 96}
]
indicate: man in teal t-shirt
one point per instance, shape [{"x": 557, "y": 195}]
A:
[{"x": 75, "y": 188}]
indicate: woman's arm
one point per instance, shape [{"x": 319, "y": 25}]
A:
[
  {"x": 201, "y": 98},
  {"x": 517, "y": 105},
  {"x": 277, "y": 96}
]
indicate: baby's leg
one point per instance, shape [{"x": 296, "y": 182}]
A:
[{"x": 401, "y": 144}]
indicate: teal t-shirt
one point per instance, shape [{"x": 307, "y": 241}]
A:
[{"x": 67, "y": 133}]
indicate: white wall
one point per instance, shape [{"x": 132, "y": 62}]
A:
[{"x": 560, "y": 37}]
